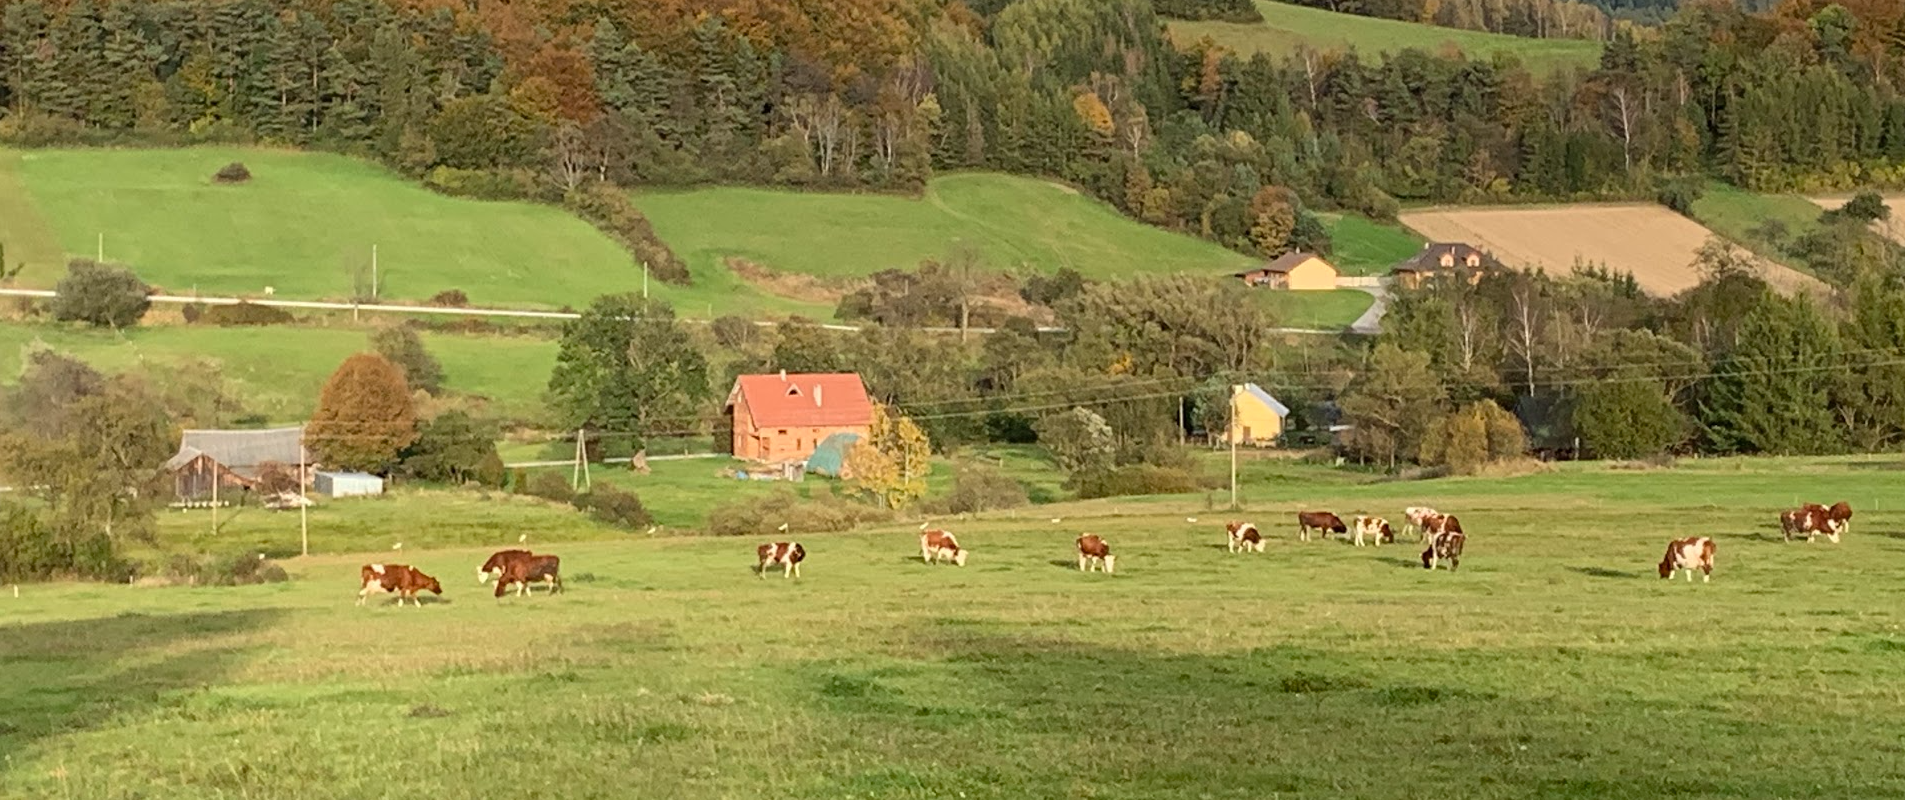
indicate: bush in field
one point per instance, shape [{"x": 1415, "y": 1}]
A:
[
  {"x": 980, "y": 487},
  {"x": 234, "y": 172},
  {"x": 401, "y": 345},
  {"x": 100, "y": 294},
  {"x": 450, "y": 298},
  {"x": 763, "y": 516},
  {"x": 244, "y": 569},
  {"x": 1135, "y": 479},
  {"x": 243, "y": 313},
  {"x": 614, "y": 506},
  {"x": 734, "y": 331},
  {"x": 551, "y": 486}
]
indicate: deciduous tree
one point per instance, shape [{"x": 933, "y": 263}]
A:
[{"x": 364, "y": 419}]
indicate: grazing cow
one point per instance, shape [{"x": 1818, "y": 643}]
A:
[
  {"x": 1094, "y": 553},
  {"x": 1375, "y": 528},
  {"x": 1691, "y": 553},
  {"x": 935, "y": 545},
  {"x": 1811, "y": 520},
  {"x": 787, "y": 554},
  {"x": 1244, "y": 537},
  {"x": 1444, "y": 546},
  {"x": 1840, "y": 515},
  {"x": 1320, "y": 520},
  {"x": 1442, "y": 523},
  {"x": 403, "y": 579},
  {"x": 521, "y": 567},
  {"x": 1414, "y": 519}
]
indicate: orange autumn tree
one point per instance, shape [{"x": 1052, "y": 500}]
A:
[{"x": 364, "y": 418}]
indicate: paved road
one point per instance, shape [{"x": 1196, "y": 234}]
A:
[{"x": 1370, "y": 323}]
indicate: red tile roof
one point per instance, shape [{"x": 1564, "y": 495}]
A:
[{"x": 804, "y": 400}]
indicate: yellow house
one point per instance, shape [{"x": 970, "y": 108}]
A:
[
  {"x": 1303, "y": 272},
  {"x": 1256, "y": 418}
]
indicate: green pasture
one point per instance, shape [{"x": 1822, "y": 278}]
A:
[
  {"x": 1362, "y": 246},
  {"x": 277, "y": 371},
  {"x": 1741, "y": 216},
  {"x": 1554, "y": 663},
  {"x": 1288, "y": 28},
  {"x": 1326, "y": 310}
]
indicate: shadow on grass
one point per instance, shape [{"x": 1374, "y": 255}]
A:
[
  {"x": 1603, "y": 572},
  {"x": 60, "y": 677},
  {"x": 1405, "y": 563}
]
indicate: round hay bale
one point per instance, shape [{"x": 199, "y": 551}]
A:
[{"x": 235, "y": 172}]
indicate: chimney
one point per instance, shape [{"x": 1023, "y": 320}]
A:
[
  {"x": 816, "y": 395},
  {"x": 783, "y": 376}
]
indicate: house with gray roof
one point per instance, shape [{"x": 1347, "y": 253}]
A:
[{"x": 235, "y": 460}]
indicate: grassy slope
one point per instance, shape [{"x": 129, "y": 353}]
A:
[
  {"x": 1016, "y": 223},
  {"x": 1366, "y": 247},
  {"x": 1287, "y": 27},
  {"x": 1736, "y": 214},
  {"x": 278, "y": 371},
  {"x": 306, "y": 220},
  {"x": 1554, "y": 663},
  {"x": 1320, "y": 310}
]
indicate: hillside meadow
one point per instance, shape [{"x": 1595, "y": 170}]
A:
[
  {"x": 1286, "y": 28},
  {"x": 276, "y": 372},
  {"x": 1553, "y": 663}
]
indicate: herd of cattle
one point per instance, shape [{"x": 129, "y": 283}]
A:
[{"x": 1441, "y": 534}]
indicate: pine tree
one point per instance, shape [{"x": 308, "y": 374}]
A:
[{"x": 1769, "y": 395}]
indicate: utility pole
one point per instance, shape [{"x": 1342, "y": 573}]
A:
[
  {"x": 304, "y": 519},
  {"x": 373, "y": 272},
  {"x": 579, "y": 476},
  {"x": 215, "y": 482},
  {"x": 1231, "y": 434},
  {"x": 644, "y": 280},
  {"x": 99, "y": 254}
]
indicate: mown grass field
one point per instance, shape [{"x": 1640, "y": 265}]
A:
[
  {"x": 1018, "y": 224},
  {"x": 1288, "y": 27},
  {"x": 1553, "y": 664},
  {"x": 1362, "y": 246},
  {"x": 1328, "y": 310},
  {"x": 277, "y": 372},
  {"x": 1741, "y": 216}
]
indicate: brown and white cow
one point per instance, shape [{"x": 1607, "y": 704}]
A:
[
  {"x": 1691, "y": 553},
  {"x": 786, "y": 554},
  {"x": 521, "y": 568},
  {"x": 1094, "y": 553},
  {"x": 1812, "y": 520},
  {"x": 1444, "y": 546},
  {"x": 1414, "y": 519},
  {"x": 403, "y": 579},
  {"x": 1376, "y": 528},
  {"x": 1244, "y": 537},
  {"x": 937, "y": 545},
  {"x": 1442, "y": 523},
  {"x": 1320, "y": 520},
  {"x": 1840, "y": 515}
]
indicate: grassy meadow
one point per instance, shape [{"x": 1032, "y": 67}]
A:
[
  {"x": 1327, "y": 310},
  {"x": 276, "y": 372},
  {"x": 1741, "y": 216},
  {"x": 1361, "y": 246},
  {"x": 1015, "y": 223},
  {"x": 1553, "y": 664},
  {"x": 1288, "y": 27}
]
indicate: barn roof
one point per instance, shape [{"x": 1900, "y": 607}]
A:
[
  {"x": 242, "y": 451},
  {"x": 1264, "y": 397},
  {"x": 790, "y": 400}
]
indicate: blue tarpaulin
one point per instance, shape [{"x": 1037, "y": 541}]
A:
[{"x": 831, "y": 456}]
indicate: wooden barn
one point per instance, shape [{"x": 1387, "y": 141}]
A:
[
  {"x": 234, "y": 460},
  {"x": 785, "y": 417}
]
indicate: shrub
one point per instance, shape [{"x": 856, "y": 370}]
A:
[
  {"x": 979, "y": 488},
  {"x": 450, "y": 298},
  {"x": 100, "y": 294},
  {"x": 609, "y": 209},
  {"x": 614, "y": 506},
  {"x": 1680, "y": 194},
  {"x": 243, "y": 313},
  {"x": 402, "y": 346},
  {"x": 491, "y": 472},
  {"x": 763, "y": 516},
  {"x": 192, "y": 312},
  {"x": 518, "y": 482},
  {"x": 275, "y": 479},
  {"x": 734, "y": 331},
  {"x": 482, "y": 184},
  {"x": 1136, "y": 479},
  {"x": 234, "y": 172},
  {"x": 453, "y": 448},
  {"x": 243, "y": 569},
  {"x": 551, "y": 486}
]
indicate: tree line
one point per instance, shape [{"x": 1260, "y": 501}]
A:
[{"x": 564, "y": 105}]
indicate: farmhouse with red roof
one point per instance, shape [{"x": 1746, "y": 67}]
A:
[{"x": 784, "y": 417}]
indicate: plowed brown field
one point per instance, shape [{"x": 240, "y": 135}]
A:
[{"x": 1653, "y": 243}]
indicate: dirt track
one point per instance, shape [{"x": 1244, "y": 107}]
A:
[{"x": 1653, "y": 243}]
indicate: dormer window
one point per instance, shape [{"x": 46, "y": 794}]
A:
[{"x": 793, "y": 391}]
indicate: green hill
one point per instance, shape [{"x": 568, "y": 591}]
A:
[
  {"x": 1016, "y": 223},
  {"x": 1287, "y": 27}
]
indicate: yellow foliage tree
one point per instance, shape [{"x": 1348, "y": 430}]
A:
[
  {"x": 890, "y": 465},
  {"x": 1095, "y": 113}
]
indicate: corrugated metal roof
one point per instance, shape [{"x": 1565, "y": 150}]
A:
[
  {"x": 243, "y": 450},
  {"x": 1257, "y": 391},
  {"x": 804, "y": 400}
]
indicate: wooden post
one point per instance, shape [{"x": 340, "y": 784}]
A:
[
  {"x": 1230, "y": 433},
  {"x": 304, "y": 519},
  {"x": 215, "y": 483}
]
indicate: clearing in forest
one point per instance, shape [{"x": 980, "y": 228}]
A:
[
  {"x": 1655, "y": 244},
  {"x": 1285, "y": 28}
]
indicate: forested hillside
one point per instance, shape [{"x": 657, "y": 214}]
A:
[{"x": 556, "y": 101}]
